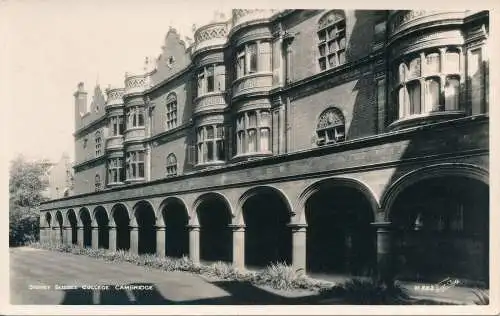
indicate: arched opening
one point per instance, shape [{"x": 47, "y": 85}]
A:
[
  {"x": 59, "y": 220},
  {"x": 146, "y": 221},
  {"x": 102, "y": 220},
  {"x": 442, "y": 227},
  {"x": 87, "y": 227},
  {"x": 268, "y": 239},
  {"x": 121, "y": 218},
  {"x": 340, "y": 238},
  {"x": 216, "y": 237},
  {"x": 176, "y": 219},
  {"x": 73, "y": 223}
]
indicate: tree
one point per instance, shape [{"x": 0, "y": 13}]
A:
[{"x": 26, "y": 185}]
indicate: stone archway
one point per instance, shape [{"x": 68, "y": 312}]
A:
[
  {"x": 121, "y": 218},
  {"x": 146, "y": 219},
  {"x": 87, "y": 226},
  {"x": 175, "y": 218},
  {"x": 73, "y": 222},
  {"x": 441, "y": 226},
  {"x": 340, "y": 237},
  {"x": 268, "y": 238},
  {"x": 214, "y": 217},
  {"x": 102, "y": 220},
  {"x": 60, "y": 223}
]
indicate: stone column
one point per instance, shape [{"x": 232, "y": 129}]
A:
[
  {"x": 42, "y": 237},
  {"x": 64, "y": 235},
  {"x": 95, "y": 237},
  {"x": 385, "y": 255},
  {"x": 112, "y": 238},
  {"x": 299, "y": 246},
  {"x": 134, "y": 239},
  {"x": 160, "y": 240},
  {"x": 59, "y": 235},
  {"x": 79, "y": 237},
  {"x": 68, "y": 231},
  {"x": 194, "y": 243},
  {"x": 53, "y": 235},
  {"x": 238, "y": 246}
]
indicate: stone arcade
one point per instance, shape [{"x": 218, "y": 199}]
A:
[{"x": 340, "y": 142}]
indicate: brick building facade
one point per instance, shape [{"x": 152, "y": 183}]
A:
[{"x": 338, "y": 141}]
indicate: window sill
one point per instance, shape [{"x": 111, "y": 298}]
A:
[
  {"x": 135, "y": 180},
  {"x": 251, "y": 75},
  {"x": 248, "y": 156},
  {"x": 425, "y": 118}
]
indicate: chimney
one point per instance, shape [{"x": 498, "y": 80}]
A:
[{"x": 80, "y": 99}]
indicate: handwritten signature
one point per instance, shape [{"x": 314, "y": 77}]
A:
[{"x": 438, "y": 287}]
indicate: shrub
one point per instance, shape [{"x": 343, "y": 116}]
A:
[
  {"x": 369, "y": 292},
  {"x": 483, "y": 298}
]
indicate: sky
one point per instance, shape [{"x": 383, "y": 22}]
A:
[{"x": 52, "y": 45}]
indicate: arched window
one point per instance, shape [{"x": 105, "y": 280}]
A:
[
  {"x": 331, "y": 40},
  {"x": 97, "y": 182},
  {"x": 171, "y": 165},
  {"x": 171, "y": 121},
  {"x": 331, "y": 127},
  {"x": 98, "y": 144}
]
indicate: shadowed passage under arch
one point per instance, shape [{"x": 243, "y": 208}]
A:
[
  {"x": 87, "y": 227},
  {"x": 175, "y": 218},
  {"x": 442, "y": 224},
  {"x": 340, "y": 238},
  {"x": 268, "y": 239},
  {"x": 146, "y": 220},
  {"x": 122, "y": 220},
  {"x": 216, "y": 237},
  {"x": 101, "y": 217},
  {"x": 74, "y": 226}
]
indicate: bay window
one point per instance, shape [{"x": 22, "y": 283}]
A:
[
  {"x": 210, "y": 145},
  {"x": 116, "y": 125},
  {"x": 135, "y": 117},
  {"x": 428, "y": 82},
  {"x": 115, "y": 170},
  {"x": 253, "y": 57},
  {"x": 206, "y": 80},
  {"x": 253, "y": 132},
  {"x": 135, "y": 165}
]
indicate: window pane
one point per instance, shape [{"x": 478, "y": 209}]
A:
[
  {"x": 252, "y": 119},
  {"x": 451, "y": 93},
  {"x": 141, "y": 119},
  {"x": 252, "y": 141},
  {"x": 210, "y": 79},
  {"x": 414, "y": 97},
  {"x": 200, "y": 153},
  {"x": 401, "y": 72},
  {"x": 252, "y": 51},
  {"x": 241, "y": 142},
  {"x": 210, "y": 132},
  {"x": 341, "y": 57},
  {"x": 414, "y": 70},
  {"x": 220, "y": 131},
  {"x": 432, "y": 102},
  {"x": 200, "y": 134},
  {"x": 210, "y": 150},
  {"x": 322, "y": 50},
  {"x": 322, "y": 36},
  {"x": 265, "y": 118},
  {"x": 332, "y": 46},
  {"x": 201, "y": 79},
  {"x": 264, "y": 140},
  {"x": 240, "y": 69},
  {"x": 332, "y": 60},
  {"x": 220, "y": 150},
  {"x": 452, "y": 62},
  {"x": 433, "y": 63},
  {"x": 342, "y": 43},
  {"x": 322, "y": 64},
  {"x": 141, "y": 156},
  {"x": 134, "y": 171},
  {"x": 141, "y": 169}
]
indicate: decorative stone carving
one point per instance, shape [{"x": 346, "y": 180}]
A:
[
  {"x": 261, "y": 81},
  {"x": 330, "y": 117},
  {"x": 405, "y": 16},
  {"x": 331, "y": 17},
  {"x": 209, "y": 32},
  {"x": 115, "y": 94}
]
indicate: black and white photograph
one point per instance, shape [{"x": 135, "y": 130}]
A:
[{"x": 199, "y": 155}]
